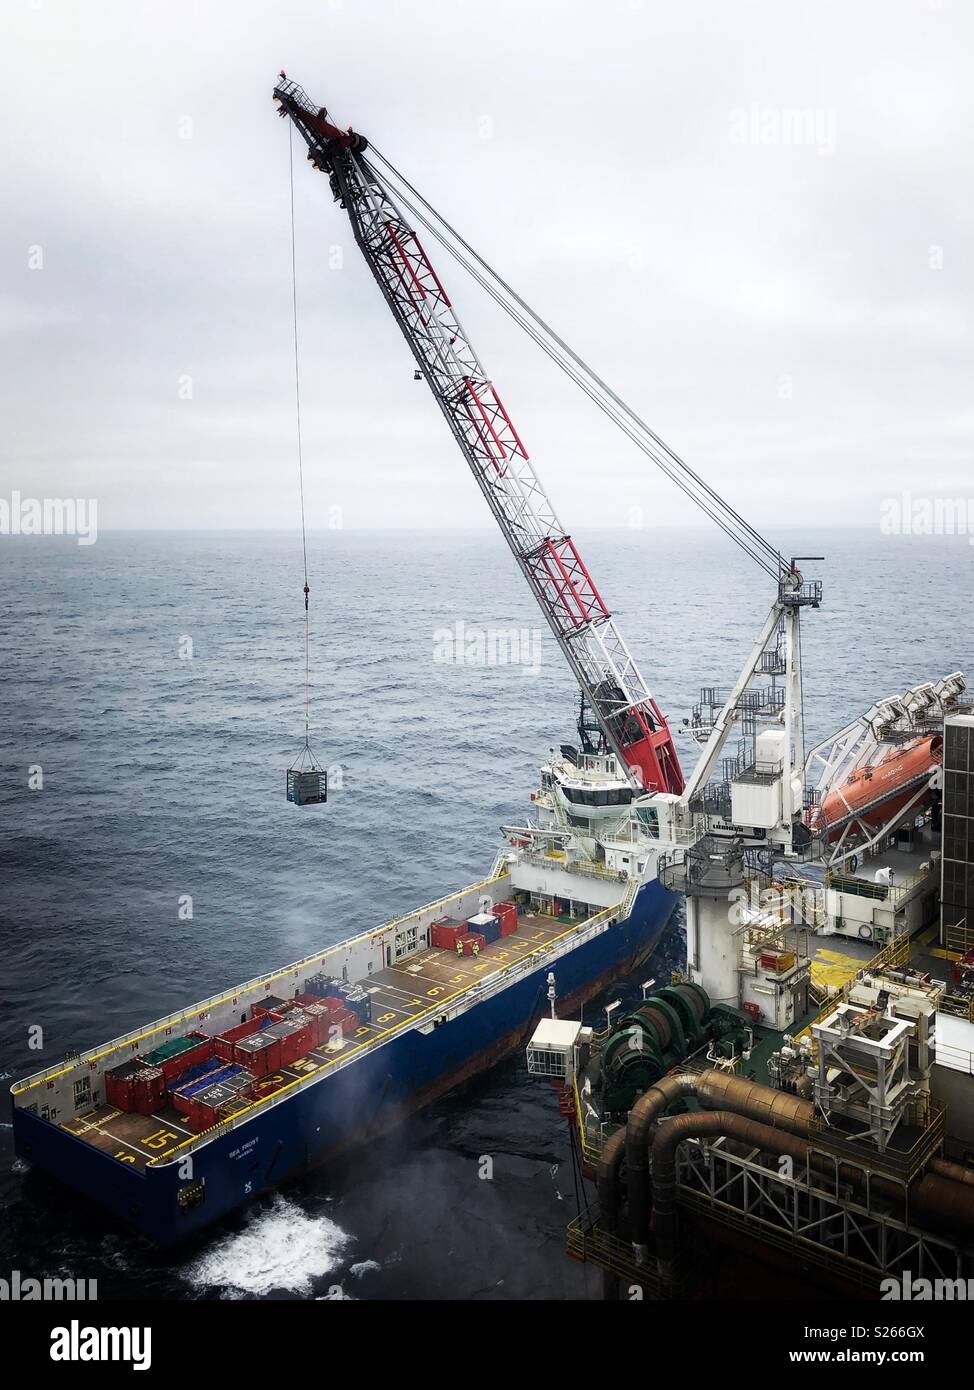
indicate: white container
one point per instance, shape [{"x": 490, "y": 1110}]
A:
[{"x": 756, "y": 804}]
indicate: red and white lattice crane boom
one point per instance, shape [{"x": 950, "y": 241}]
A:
[{"x": 611, "y": 682}]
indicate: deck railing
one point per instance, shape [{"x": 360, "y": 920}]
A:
[{"x": 893, "y": 892}]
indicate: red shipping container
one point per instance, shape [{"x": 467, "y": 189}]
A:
[
  {"x": 341, "y": 1027},
  {"x": 181, "y": 1098},
  {"x": 445, "y": 931},
  {"x": 299, "y": 1043},
  {"x": 267, "y": 1005},
  {"x": 258, "y": 1011},
  {"x": 444, "y": 934},
  {"x": 203, "y": 1053},
  {"x": 201, "y": 1116},
  {"x": 206, "y": 1108},
  {"x": 240, "y": 1030},
  {"x": 119, "y": 1088},
  {"x": 507, "y": 912},
  {"x": 321, "y": 1016},
  {"x": 259, "y": 1053},
  {"x": 297, "y": 1035},
  {"x": 182, "y": 1061},
  {"x": 224, "y": 1042},
  {"x": 471, "y": 939},
  {"x": 148, "y": 1090}
]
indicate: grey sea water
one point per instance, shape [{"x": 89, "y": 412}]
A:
[{"x": 163, "y": 776}]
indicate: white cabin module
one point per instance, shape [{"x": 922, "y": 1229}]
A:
[
  {"x": 757, "y": 795},
  {"x": 551, "y": 1051}
]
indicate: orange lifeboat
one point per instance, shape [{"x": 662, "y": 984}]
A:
[{"x": 884, "y": 787}]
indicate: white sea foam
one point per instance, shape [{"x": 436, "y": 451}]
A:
[
  {"x": 364, "y": 1267},
  {"x": 283, "y": 1249}
]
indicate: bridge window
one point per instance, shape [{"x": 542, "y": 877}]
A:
[{"x": 609, "y": 796}]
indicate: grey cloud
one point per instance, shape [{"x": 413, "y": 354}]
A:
[{"x": 694, "y": 271}]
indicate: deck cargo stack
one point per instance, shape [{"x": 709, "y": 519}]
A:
[
  {"x": 335, "y": 1021},
  {"x": 139, "y": 1088},
  {"x": 304, "y": 1039},
  {"x": 358, "y": 1002},
  {"x": 193, "y": 1083},
  {"x": 207, "y": 1105},
  {"x": 320, "y": 1015},
  {"x": 294, "y": 1035},
  {"x": 353, "y": 996}
]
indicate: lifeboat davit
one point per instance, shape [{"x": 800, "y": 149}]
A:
[{"x": 873, "y": 794}]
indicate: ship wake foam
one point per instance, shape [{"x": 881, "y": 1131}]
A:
[{"x": 282, "y": 1250}]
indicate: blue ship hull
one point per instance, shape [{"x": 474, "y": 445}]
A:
[{"x": 349, "y": 1106}]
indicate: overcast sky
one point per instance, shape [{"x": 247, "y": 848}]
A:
[{"x": 792, "y": 315}]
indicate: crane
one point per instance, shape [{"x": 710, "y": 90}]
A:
[
  {"x": 583, "y": 626},
  {"x": 732, "y": 810}
]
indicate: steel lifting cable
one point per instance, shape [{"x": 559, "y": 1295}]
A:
[
  {"x": 670, "y": 463},
  {"x": 297, "y": 402},
  {"x": 589, "y": 386},
  {"x": 555, "y": 338},
  {"x": 603, "y": 404}
]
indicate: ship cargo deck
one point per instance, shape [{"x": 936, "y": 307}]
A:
[{"x": 399, "y": 993}]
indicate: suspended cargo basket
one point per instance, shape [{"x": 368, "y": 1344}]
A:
[
  {"x": 307, "y": 781},
  {"x": 306, "y": 788}
]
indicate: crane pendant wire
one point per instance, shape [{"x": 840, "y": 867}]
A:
[{"x": 306, "y": 780}]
